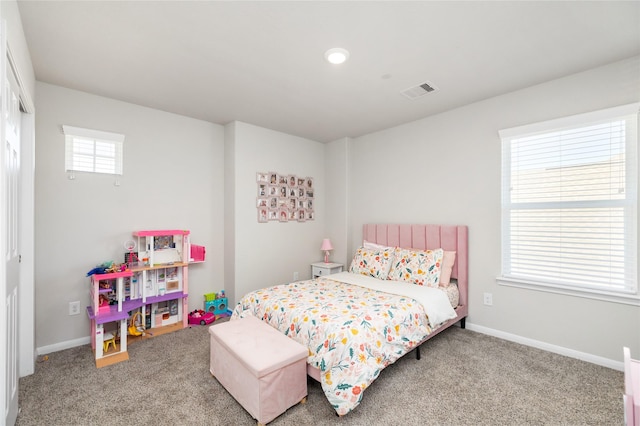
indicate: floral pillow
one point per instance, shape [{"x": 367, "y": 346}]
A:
[
  {"x": 372, "y": 262},
  {"x": 420, "y": 267}
]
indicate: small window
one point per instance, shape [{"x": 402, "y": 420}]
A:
[
  {"x": 569, "y": 201},
  {"x": 92, "y": 151}
]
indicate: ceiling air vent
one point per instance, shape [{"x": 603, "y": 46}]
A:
[{"x": 419, "y": 90}]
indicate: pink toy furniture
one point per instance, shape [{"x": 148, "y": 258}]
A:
[
  {"x": 264, "y": 370},
  {"x": 631, "y": 389}
]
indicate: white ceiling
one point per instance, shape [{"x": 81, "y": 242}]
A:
[{"x": 262, "y": 62}]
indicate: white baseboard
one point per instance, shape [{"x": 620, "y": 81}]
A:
[
  {"x": 43, "y": 350},
  {"x": 605, "y": 362},
  {"x": 583, "y": 356}
]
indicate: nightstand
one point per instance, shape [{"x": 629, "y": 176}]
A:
[{"x": 319, "y": 269}]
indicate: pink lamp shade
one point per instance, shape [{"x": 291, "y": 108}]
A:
[{"x": 326, "y": 247}]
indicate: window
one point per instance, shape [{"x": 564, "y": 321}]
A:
[
  {"x": 569, "y": 197},
  {"x": 92, "y": 151}
]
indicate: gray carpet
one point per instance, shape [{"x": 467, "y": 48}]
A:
[{"x": 463, "y": 378}]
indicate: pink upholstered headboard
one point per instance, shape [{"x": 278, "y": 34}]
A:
[{"x": 425, "y": 237}]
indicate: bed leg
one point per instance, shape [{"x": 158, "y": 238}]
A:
[
  {"x": 418, "y": 353},
  {"x": 462, "y": 322}
]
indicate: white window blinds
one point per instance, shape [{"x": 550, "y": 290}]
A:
[
  {"x": 93, "y": 151},
  {"x": 569, "y": 197}
]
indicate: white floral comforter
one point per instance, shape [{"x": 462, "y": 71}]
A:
[{"x": 352, "y": 332}]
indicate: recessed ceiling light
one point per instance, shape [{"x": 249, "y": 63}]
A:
[{"x": 337, "y": 55}]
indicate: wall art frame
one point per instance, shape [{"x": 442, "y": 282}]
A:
[{"x": 282, "y": 197}]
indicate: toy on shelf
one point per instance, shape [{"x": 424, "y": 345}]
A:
[
  {"x": 136, "y": 328},
  {"x": 109, "y": 338},
  {"x": 103, "y": 304},
  {"x": 108, "y": 268},
  {"x": 197, "y": 253},
  {"x": 130, "y": 258}
]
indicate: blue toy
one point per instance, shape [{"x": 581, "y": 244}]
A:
[{"x": 217, "y": 306}]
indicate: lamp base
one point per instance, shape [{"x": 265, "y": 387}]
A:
[{"x": 326, "y": 257}]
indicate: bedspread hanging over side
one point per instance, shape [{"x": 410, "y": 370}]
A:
[{"x": 352, "y": 332}]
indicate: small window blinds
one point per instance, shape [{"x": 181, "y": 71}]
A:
[{"x": 93, "y": 151}]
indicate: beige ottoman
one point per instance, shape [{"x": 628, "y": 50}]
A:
[{"x": 264, "y": 370}]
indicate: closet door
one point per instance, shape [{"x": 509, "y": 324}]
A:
[{"x": 10, "y": 177}]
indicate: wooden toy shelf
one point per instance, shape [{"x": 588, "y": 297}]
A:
[{"x": 150, "y": 298}]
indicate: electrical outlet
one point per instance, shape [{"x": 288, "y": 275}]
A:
[
  {"x": 74, "y": 308},
  {"x": 488, "y": 299},
  {"x": 295, "y": 276}
]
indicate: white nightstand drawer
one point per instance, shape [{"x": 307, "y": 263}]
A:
[{"x": 320, "y": 269}]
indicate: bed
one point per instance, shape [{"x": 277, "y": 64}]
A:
[{"x": 357, "y": 322}]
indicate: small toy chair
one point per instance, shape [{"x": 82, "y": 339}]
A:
[{"x": 109, "y": 339}]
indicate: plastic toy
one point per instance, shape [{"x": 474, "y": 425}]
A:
[
  {"x": 136, "y": 329},
  {"x": 201, "y": 317},
  {"x": 129, "y": 291},
  {"x": 109, "y": 339},
  {"x": 108, "y": 267},
  {"x": 218, "y": 306},
  {"x": 103, "y": 304}
]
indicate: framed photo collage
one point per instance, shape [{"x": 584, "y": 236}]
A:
[{"x": 284, "y": 198}]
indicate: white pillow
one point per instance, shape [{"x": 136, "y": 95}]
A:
[
  {"x": 447, "y": 266},
  {"x": 373, "y": 246}
]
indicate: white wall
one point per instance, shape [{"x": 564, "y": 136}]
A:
[
  {"x": 337, "y": 208},
  {"x": 442, "y": 169},
  {"x": 18, "y": 48},
  {"x": 269, "y": 253},
  {"x": 173, "y": 179},
  {"x": 229, "y": 213},
  {"x": 446, "y": 169}
]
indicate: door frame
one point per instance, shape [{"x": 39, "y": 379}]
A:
[
  {"x": 26, "y": 352},
  {"x": 26, "y": 302}
]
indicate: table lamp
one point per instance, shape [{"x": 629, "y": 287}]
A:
[{"x": 326, "y": 247}]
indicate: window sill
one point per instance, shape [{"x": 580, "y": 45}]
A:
[{"x": 631, "y": 299}]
